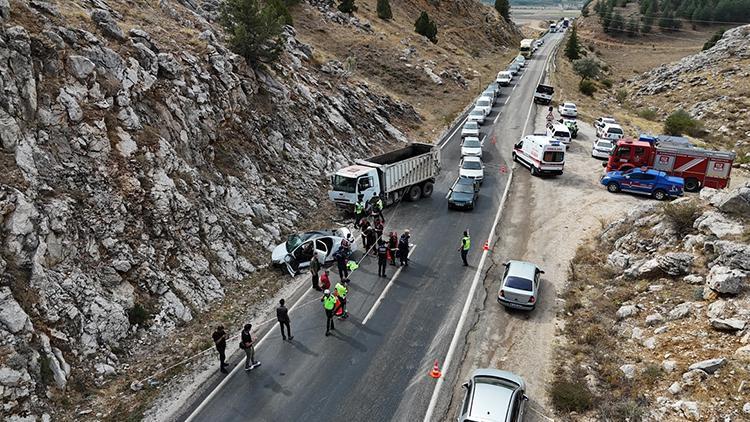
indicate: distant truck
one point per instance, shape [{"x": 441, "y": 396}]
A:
[
  {"x": 565, "y": 22},
  {"x": 553, "y": 27},
  {"x": 527, "y": 48},
  {"x": 699, "y": 167},
  {"x": 406, "y": 173},
  {"x": 543, "y": 94}
]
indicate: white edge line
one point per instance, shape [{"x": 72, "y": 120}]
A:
[
  {"x": 236, "y": 368},
  {"x": 506, "y": 100},
  {"x": 458, "y": 126},
  {"x": 465, "y": 311},
  {"x": 376, "y": 305},
  {"x": 494, "y": 122}
]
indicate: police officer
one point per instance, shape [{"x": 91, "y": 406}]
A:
[
  {"x": 382, "y": 257},
  {"x": 465, "y": 246},
  {"x": 341, "y": 292},
  {"x": 342, "y": 259},
  {"x": 329, "y": 301},
  {"x": 359, "y": 210}
]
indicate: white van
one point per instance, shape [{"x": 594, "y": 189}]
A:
[
  {"x": 541, "y": 154},
  {"x": 560, "y": 132}
]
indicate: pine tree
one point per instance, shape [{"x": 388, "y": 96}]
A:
[
  {"x": 607, "y": 19},
  {"x": 572, "y": 48},
  {"x": 255, "y": 30},
  {"x": 347, "y": 6},
  {"x": 617, "y": 25},
  {"x": 633, "y": 26},
  {"x": 503, "y": 7},
  {"x": 648, "y": 18},
  {"x": 384, "y": 10},
  {"x": 426, "y": 27},
  {"x": 644, "y": 5}
]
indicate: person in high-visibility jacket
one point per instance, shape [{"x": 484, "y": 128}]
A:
[
  {"x": 341, "y": 291},
  {"x": 465, "y": 246},
  {"x": 359, "y": 211},
  {"x": 329, "y": 302}
]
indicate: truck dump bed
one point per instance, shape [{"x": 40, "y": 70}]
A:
[{"x": 406, "y": 166}]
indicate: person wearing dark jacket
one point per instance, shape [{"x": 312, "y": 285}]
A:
[
  {"x": 341, "y": 259},
  {"x": 382, "y": 257},
  {"x": 393, "y": 247},
  {"x": 220, "y": 341},
  {"x": 314, "y": 269},
  {"x": 246, "y": 344},
  {"x": 282, "y": 315},
  {"x": 403, "y": 248}
]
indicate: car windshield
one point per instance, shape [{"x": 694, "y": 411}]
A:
[
  {"x": 471, "y": 125},
  {"x": 518, "y": 283},
  {"x": 292, "y": 242},
  {"x": 615, "y": 130},
  {"x": 570, "y": 106},
  {"x": 561, "y": 134},
  {"x": 604, "y": 144},
  {"x": 477, "y": 113},
  {"x": 483, "y": 103},
  {"x": 344, "y": 184},
  {"x": 472, "y": 165},
  {"x": 461, "y": 188},
  {"x": 472, "y": 143},
  {"x": 553, "y": 156},
  {"x": 544, "y": 89}
]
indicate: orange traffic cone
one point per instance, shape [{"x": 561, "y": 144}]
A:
[
  {"x": 435, "y": 373},
  {"x": 486, "y": 246}
]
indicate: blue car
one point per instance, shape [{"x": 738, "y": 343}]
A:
[{"x": 644, "y": 181}]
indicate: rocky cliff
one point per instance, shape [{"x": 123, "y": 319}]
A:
[
  {"x": 712, "y": 86},
  {"x": 657, "y": 316},
  {"x": 143, "y": 167}
]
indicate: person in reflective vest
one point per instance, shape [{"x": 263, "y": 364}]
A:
[
  {"x": 359, "y": 210},
  {"x": 465, "y": 246},
  {"x": 376, "y": 207},
  {"x": 341, "y": 292},
  {"x": 329, "y": 302}
]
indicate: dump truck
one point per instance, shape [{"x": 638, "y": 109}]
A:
[
  {"x": 526, "y": 48},
  {"x": 406, "y": 173},
  {"x": 543, "y": 94}
]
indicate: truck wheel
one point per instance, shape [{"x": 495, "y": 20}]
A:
[
  {"x": 660, "y": 195},
  {"x": 613, "y": 187},
  {"x": 427, "y": 190},
  {"x": 692, "y": 184},
  {"x": 534, "y": 171},
  {"x": 414, "y": 193}
]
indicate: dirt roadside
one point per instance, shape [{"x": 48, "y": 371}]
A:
[{"x": 545, "y": 221}]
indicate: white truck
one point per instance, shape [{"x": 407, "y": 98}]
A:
[
  {"x": 406, "y": 173},
  {"x": 541, "y": 154},
  {"x": 543, "y": 94}
]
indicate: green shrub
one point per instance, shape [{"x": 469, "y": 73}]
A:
[
  {"x": 681, "y": 216},
  {"x": 680, "y": 122},
  {"x": 627, "y": 410},
  {"x": 347, "y": 6},
  {"x": 587, "y": 87},
  {"x": 714, "y": 39},
  {"x": 621, "y": 95},
  {"x": 586, "y": 68},
  {"x": 138, "y": 315},
  {"x": 647, "y": 113},
  {"x": 425, "y": 26},
  {"x": 570, "y": 397},
  {"x": 607, "y": 83},
  {"x": 384, "y": 9},
  {"x": 503, "y": 8}
]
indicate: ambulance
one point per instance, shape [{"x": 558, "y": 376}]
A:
[{"x": 542, "y": 154}]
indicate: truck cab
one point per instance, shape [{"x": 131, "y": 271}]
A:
[{"x": 350, "y": 182}]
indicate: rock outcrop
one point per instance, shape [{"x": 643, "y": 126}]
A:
[{"x": 145, "y": 168}]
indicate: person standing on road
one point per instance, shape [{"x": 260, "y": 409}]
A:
[
  {"x": 403, "y": 248},
  {"x": 359, "y": 210},
  {"x": 379, "y": 227},
  {"x": 393, "y": 247},
  {"x": 371, "y": 239},
  {"x": 314, "y": 270},
  {"x": 246, "y": 344},
  {"x": 376, "y": 207},
  {"x": 329, "y": 302},
  {"x": 220, "y": 341},
  {"x": 325, "y": 280},
  {"x": 341, "y": 292},
  {"x": 282, "y": 315},
  {"x": 382, "y": 257},
  {"x": 341, "y": 261},
  {"x": 465, "y": 246}
]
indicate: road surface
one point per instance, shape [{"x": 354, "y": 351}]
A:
[{"x": 375, "y": 369}]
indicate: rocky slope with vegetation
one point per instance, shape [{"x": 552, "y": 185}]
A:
[
  {"x": 147, "y": 171},
  {"x": 657, "y": 315}
]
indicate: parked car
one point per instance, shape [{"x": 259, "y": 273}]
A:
[
  {"x": 493, "y": 395},
  {"x": 504, "y": 77},
  {"x": 567, "y": 110},
  {"x": 472, "y": 167},
  {"x": 519, "y": 288},
  {"x": 644, "y": 181},
  {"x": 514, "y": 68},
  {"x": 572, "y": 125},
  {"x": 601, "y": 121},
  {"x": 484, "y": 103},
  {"x": 611, "y": 131},
  {"x": 295, "y": 254},
  {"x": 601, "y": 148},
  {"x": 463, "y": 194},
  {"x": 491, "y": 93},
  {"x": 496, "y": 87},
  {"x": 560, "y": 132},
  {"x": 471, "y": 146},
  {"x": 520, "y": 61},
  {"x": 476, "y": 115},
  {"x": 470, "y": 129}
]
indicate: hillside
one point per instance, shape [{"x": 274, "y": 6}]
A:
[{"x": 148, "y": 170}]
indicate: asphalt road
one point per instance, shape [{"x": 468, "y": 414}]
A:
[{"x": 377, "y": 371}]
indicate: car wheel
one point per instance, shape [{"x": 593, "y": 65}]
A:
[
  {"x": 515, "y": 157},
  {"x": 660, "y": 195},
  {"x": 427, "y": 189},
  {"x": 414, "y": 193},
  {"x": 613, "y": 187},
  {"x": 692, "y": 184}
]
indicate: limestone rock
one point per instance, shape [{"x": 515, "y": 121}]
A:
[
  {"x": 743, "y": 353},
  {"x": 736, "y": 201},
  {"x": 12, "y": 317},
  {"x": 728, "y": 324},
  {"x": 626, "y": 311},
  {"x": 709, "y": 366},
  {"x": 726, "y": 280},
  {"x": 628, "y": 370},
  {"x": 107, "y": 25},
  {"x": 718, "y": 224},
  {"x": 681, "y": 311},
  {"x": 654, "y": 319},
  {"x": 80, "y": 67}
]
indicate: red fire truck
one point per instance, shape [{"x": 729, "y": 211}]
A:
[{"x": 699, "y": 167}]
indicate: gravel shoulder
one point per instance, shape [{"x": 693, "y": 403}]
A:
[{"x": 545, "y": 221}]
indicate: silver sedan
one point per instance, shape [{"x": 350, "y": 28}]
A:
[{"x": 519, "y": 288}]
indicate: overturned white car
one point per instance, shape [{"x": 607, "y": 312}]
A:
[{"x": 295, "y": 254}]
